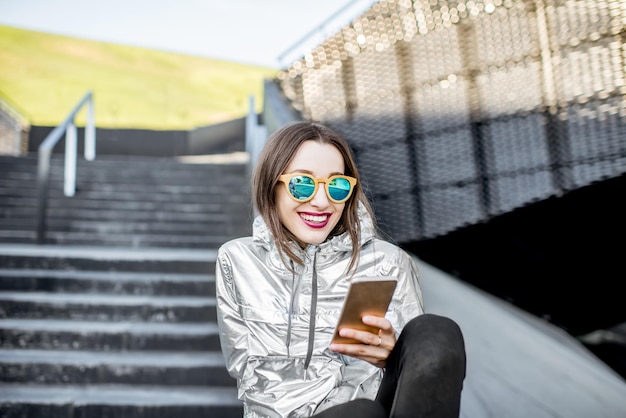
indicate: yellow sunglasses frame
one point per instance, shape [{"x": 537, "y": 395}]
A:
[{"x": 285, "y": 178}]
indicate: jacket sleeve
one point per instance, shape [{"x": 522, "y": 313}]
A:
[
  {"x": 233, "y": 332},
  {"x": 407, "y": 302}
]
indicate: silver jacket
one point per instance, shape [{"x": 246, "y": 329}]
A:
[{"x": 275, "y": 326}]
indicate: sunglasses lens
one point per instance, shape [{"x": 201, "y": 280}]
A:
[
  {"x": 339, "y": 188},
  {"x": 301, "y": 187}
]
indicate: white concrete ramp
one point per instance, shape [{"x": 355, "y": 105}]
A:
[{"x": 518, "y": 365}]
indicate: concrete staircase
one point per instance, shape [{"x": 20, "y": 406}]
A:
[{"x": 115, "y": 314}]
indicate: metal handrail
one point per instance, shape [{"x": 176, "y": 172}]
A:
[{"x": 67, "y": 127}]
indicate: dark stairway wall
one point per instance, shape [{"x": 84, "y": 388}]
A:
[{"x": 560, "y": 259}]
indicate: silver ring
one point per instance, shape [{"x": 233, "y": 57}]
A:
[{"x": 380, "y": 341}]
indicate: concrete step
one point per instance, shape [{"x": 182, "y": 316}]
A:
[
  {"x": 85, "y": 228},
  {"x": 184, "y": 188},
  {"x": 87, "y": 239},
  {"x": 88, "y": 335},
  {"x": 17, "y": 208},
  {"x": 121, "y": 401},
  {"x": 63, "y": 206},
  {"x": 103, "y": 307},
  {"x": 113, "y": 367},
  {"x": 181, "y": 194},
  {"x": 108, "y": 259},
  {"x": 119, "y": 164},
  {"x": 106, "y": 282},
  {"x": 218, "y": 224}
]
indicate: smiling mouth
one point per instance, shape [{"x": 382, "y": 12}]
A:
[
  {"x": 314, "y": 218},
  {"x": 315, "y": 221}
]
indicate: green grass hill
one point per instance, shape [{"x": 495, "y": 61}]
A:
[{"x": 43, "y": 76}]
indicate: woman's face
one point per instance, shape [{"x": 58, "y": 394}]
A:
[{"x": 311, "y": 221}]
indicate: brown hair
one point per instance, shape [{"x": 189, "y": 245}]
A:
[{"x": 274, "y": 159}]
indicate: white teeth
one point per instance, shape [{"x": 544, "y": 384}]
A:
[{"x": 314, "y": 218}]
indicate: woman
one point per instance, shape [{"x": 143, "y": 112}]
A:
[{"x": 280, "y": 293}]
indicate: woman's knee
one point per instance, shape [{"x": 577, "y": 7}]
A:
[
  {"x": 435, "y": 335},
  {"x": 434, "y": 326}
]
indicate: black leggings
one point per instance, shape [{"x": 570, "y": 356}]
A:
[{"x": 423, "y": 378}]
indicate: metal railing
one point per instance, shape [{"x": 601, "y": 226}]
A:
[{"x": 67, "y": 128}]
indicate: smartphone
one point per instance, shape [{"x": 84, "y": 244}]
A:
[{"x": 366, "y": 296}]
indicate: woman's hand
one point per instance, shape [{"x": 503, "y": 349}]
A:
[{"x": 375, "y": 348}]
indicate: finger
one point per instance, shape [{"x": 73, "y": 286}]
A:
[
  {"x": 364, "y": 337},
  {"x": 363, "y": 351},
  {"x": 377, "y": 321},
  {"x": 386, "y": 330}
]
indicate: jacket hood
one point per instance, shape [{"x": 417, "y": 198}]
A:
[{"x": 337, "y": 244}]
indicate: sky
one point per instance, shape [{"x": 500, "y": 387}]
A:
[{"x": 269, "y": 33}]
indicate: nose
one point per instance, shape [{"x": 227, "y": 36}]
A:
[{"x": 320, "y": 199}]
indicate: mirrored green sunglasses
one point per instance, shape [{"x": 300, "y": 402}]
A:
[{"x": 302, "y": 187}]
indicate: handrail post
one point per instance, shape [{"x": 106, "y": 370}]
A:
[
  {"x": 90, "y": 133},
  {"x": 250, "y": 137},
  {"x": 43, "y": 174},
  {"x": 256, "y": 135},
  {"x": 69, "y": 183}
]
